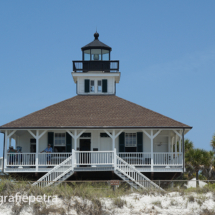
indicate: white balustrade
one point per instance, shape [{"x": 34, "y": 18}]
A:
[
  {"x": 94, "y": 157},
  {"x": 56, "y": 173},
  {"x": 136, "y": 158},
  {"x": 52, "y": 159},
  {"x": 134, "y": 175},
  {"x": 21, "y": 159},
  {"x": 159, "y": 158}
]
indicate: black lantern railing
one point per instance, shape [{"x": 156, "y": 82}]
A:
[{"x": 106, "y": 66}]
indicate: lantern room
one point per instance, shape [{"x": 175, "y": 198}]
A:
[
  {"x": 96, "y": 73},
  {"x": 96, "y": 57},
  {"x": 96, "y": 51}
]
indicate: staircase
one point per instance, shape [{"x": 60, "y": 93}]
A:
[
  {"x": 56, "y": 175},
  {"x": 125, "y": 171},
  {"x": 132, "y": 176}
]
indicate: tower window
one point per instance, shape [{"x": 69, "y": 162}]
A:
[
  {"x": 96, "y": 54},
  {"x": 99, "y": 86},
  {"x": 92, "y": 86},
  {"x": 87, "y": 55},
  {"x": 105, "y": 54}
]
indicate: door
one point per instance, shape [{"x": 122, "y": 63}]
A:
[{"x": 85, "y": 158}]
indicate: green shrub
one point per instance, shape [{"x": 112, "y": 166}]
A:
[{"x": 119, "y": 202}]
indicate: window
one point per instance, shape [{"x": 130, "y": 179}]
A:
[
  {"x": 96, "y": 54},
  {"x": 60, "y": 139},
  {"x": 87, "y": 54},
  {"x": 130, "y": 140},
  {"x": 92, "y": 87},
  {"x": 105, "y": 54},
  {"x": 99, "y": 86}
]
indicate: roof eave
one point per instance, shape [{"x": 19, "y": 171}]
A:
[{"x": 98, "y": 127}]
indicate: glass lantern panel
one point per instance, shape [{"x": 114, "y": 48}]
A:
[
  {"x": 96, "y": 54},
  {"x": 87, "y": 54},
  {"x": 105, "y": 54}
]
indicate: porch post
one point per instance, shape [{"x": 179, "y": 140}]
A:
[
  {"x": 180, "y": 144},
  {"x": 113, "y": 140},
  {"x": 172, "y": 148},
  {"x": 175, "y": 146},
  {"x": 73, "y": 159},
  {"x": 113, "y": 136},
  {"x": 10, "y": 142},
  {"x": 114, "y": 154},
  {"x": 5, "y": 148},
  {"x": 183, "y": 150},
  {"x": 7, "y": 136},
  {"x": 75, "y": 136},
  {"x": 37, "y": 149},
  {"x": 75, "y": 139},
  {"x": 152, "y": 150}
]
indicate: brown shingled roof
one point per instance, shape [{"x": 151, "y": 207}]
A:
[{"x": 94, "y": 111}]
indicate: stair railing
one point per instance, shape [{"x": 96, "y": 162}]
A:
[
  {"x": 55, "y": 173},
  {"x": 134, "y": 175}
]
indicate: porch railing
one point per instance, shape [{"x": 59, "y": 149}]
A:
[
  {"x": 136, "y": 158},
  {"x": 21, "y": 159},
  {"x": 52, "y": 159},
  {"x": 94, "y": 158},
  {"x": 159, "y": 158}
]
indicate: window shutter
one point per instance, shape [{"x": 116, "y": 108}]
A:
[
  {"x": 68, "y": 143},
  {"x": 86, "y": 85},
  {"x": 139, "y": 141},
  {"x": 104, "y": 85},
  {"x": 122, "y": 142},
  {"x": 51, "y": 139}
]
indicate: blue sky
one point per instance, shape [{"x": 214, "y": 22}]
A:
[{"x": 166, "y": 51}]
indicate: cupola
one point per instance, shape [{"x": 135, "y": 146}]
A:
[
  {"x": 96, "y": 50},
  {"x": 96, "y": 73}
]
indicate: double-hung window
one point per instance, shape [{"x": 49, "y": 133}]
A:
[
  {"x": 130, "y": 140},
  {"x": 60, "y": 139}
]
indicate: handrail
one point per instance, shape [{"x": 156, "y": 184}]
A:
[
  {"x": 106, "y": 66},
  {"x": 56, "y": 174},
  {"x": 94, "y": 157},
  {"x": 159, "y": 158},
  {"x": 130, "y": 174}
]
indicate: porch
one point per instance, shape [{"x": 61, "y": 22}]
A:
[
  {"x": 89, "y": 160},
  {"x": 154, "y": 150}
]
